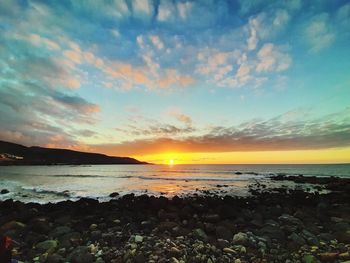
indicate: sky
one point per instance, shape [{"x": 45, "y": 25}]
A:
[{"x": 265, "y": 81}]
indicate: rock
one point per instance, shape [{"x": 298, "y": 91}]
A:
[
  {"x": 48, "y": 246},
  {"x": 343, "y": 237},
  {"x": 311, "y": 239},
  {"x": 174, "y": 251},
  {"x": 138, "y": 239},
  {"x": 174, "y": 260},
  {"x": 229, "y": 250},
  {"x": 4, "y": 191},
  {"x": 336, "y": 219},
  {"x": 223, "y": 233},
  {"x": 341, "y": 227},
  {"x": 12, "y": 225},
  {"x": 55, "y": 258},
  {"x": 114, "y": 194},
  {"x": 344, "y": 256},
  {"x": 273, "y": 232},
  {"x": 288, "y": 219},
  {"x": 69, "y": 239},
  {"x": 222, "y": 243},
  {"x": 325, "y": 236},
  {"x": 163, "y": 226},
  {"x": 140, "y": 258},
  {"x": 240, "y": 239},
  {"x": 60, "y": 231},
  {"x": 41, "y": 226},
  {"x": 309, "y": 259},
  {"x": 328, "y": 256},
  {"x": 81, "y": 254},
  {"x": 93, "y": 227},
  {"x": 212, "y": 218},
  {"x": 100, "y": 260},
  {"x": 95, "y": 235},
  {"x": 298, "y": 240},
  {"x": 200, "y": 234}
]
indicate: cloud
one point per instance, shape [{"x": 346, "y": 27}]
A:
[
  {"x": 272, "y": 59},
  {"x": 43, "y": 41},
  {"x": 157, "y": 42},
  {"x": 290, "y": 131},
  {"x": 319, "y": 33},
  {"x": 142, "y": 8},
  {"x": 181, "y": 117}
]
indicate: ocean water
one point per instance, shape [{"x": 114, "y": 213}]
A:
[{"x": 56, "y": 183}]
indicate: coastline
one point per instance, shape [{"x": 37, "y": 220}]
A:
[{"x": 272, "y": 225}]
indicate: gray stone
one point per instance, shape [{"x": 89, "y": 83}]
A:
[{"x": 240, "y": 239}]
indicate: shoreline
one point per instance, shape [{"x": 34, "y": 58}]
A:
[{"x": 272, "y": 225}]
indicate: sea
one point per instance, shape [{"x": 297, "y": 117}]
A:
[{"x": 55, "y": 183}]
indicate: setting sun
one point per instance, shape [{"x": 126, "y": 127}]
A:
[{"x": 171, "y": 162}]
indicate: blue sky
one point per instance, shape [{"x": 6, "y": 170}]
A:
[{"x": 121, "y": 75}]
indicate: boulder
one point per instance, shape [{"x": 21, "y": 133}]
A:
[
  {"x": 200, "y": 234},
  {"x": 47, "y": 246},
  {"x": 240, "y": 239},
  {"x": 81, "y": 254},
  {"x": 223, "y": 233}
]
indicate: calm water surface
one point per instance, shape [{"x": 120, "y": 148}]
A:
[{"x": 57, "y": 183}]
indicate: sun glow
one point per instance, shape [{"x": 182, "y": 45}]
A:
[{"x": 171, "y": 162}]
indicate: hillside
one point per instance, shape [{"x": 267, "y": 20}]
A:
[{"x": 16, "y": 154}]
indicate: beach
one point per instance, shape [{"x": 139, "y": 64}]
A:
[{"x": 269, "y": 225}]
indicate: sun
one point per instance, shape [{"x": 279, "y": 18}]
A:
[{"x": 171, "y": 162}]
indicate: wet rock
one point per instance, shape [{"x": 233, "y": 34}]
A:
[
  {"x": 95, "y": 235},
  {"x": 138, "y": 239},
  {"x": 69, "y": 239},
  {"x": 12, "y": 225},
  {"x": 200, "y": 234},
  {"x": 344, "y": 256},
  {"x": 341, "y": 227},
  {"x": 309, "y": 259},
  {"x": 223, "y": 233},
  {"x": 59, "y": 231},
  {"x": 114, "y": 194},
  {"x": 240, "y": 239},
  {"x": 343, "y": 237},
  {"x": 288, "y": 219},
  {"x": 81, "y": 255},
  {"x": 229, "y": 250},
  {"x": 48, "y": 246},
  {"x": 311, "y": 239},
  {"x": 298, "y": 240},
  {"x": 174, "y": 251},
  {"x": 41, "y": 226},
  {"x": 273, "y": 232},
  {"x": 140, "y": 258},
  {"x": 4, "y": 191},
  {"x": 328, "y": 256},
  {"x": 93, "y": 227},
  {"x": 55, "y": 258},
  {"x": 167, "y": 225},
  {"x": 325, "y": 236},
  {"x": 212, "y": 218}
]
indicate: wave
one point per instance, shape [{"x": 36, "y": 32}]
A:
[
  {"x": 64, "y": 193},
  {"x": 188, "y": 179}
]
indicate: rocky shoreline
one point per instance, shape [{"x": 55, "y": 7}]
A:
[{"x": 272, "y": 225}]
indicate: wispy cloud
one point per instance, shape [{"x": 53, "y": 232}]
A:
[
  {"x": 293, "y": 130},
  {"x": 318, "y": 32}
]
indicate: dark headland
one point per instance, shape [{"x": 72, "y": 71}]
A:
[{"x": 16, "y": 154}]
